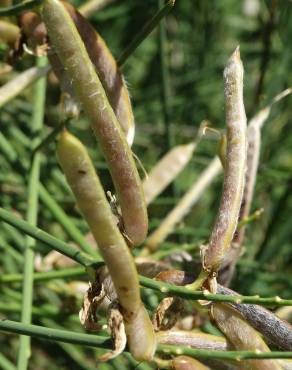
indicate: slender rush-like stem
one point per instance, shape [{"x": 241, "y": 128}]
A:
[
  {"x": 88, "y": 261},
  {"x": 65, "y": 221},
  {"x": 31, "y": 216},
  {"x": 6, "y": 364},
  {"x": 226, "y": 222},
  {"x": 66, "y": 273},
  {"x": 145, "y": 31},
  {"x": 55, "y": 334},
  {"x": 18, "y": 8},
  {"x": 53, "y": 243},
  {"x": 48, "y": 200},
  {"x": 49, "y": 138},
  {"x": 104, "y": 342},
  {"x": 162, "y": 287}
]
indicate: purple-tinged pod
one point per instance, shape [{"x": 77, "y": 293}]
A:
[
  {"x": 68, "y": 45},
  {"x": 234, "y": 174},
  {"x": 242, "y": 336},
  {"x": 101, "y": 57},
  {"x": 92, "y": 202}
]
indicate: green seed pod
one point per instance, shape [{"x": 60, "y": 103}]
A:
[
  {"x": 234, "y": 175},
  {"x": 187, "y": 363},
  {"x": 93, "y": 204},
  {"x": 9, "y": 32},
  {"x": 69, "y": 47}
]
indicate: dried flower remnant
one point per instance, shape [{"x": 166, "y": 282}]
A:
[
  {"x": 167, "y": 313},
  {"x": 117, "y": 329},
  {"x": 69, "y": 47},
  {"x": 226, "y": 222},
  {"x": 93, "y": 204},
  {"x": 242, "y": 336}
]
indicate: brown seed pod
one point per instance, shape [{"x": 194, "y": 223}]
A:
[
  {"x": 101, "y": 57},
  {"x": 66, "y": 41}
]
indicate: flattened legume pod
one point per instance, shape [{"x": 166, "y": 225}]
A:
[
  {"x": 93, "y": 204},
  {"x": 69, "y": 47}
]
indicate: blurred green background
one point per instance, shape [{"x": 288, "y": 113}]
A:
[{"x": 175, "y": 81}]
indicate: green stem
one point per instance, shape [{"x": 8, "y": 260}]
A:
[
  {"x": 160, "y": 286},
  {"x": 49, "y": 138},
  {"x": 222, "y": 355},
  {"x": 5, "y": 364},
  {"x": 73, "y": 232},
  {"x": 46, "y": 311},
  {"x": 55, "y": 334},
  {"x": 31, "y": 216},
  {"x": 16, "y": 9},
  {"x": 66, "y": 273},
  {"x": 52, "y": 242},
  {"x": 145, "y": 31},
  {"x": 104, "y": 342},
  {"x": 65, "y": 221}
]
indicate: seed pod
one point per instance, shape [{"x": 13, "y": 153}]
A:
[
  {"x": 252, "y": 162},
  {"x": 166, "y": 170},
  {"x": 242, "y": 336},
  {"x": 92, "y": 202},
  {"x": 226, "y": 222},
  {"x": 108, "y": 72},
  {"x": 187, "y": 363},
  {"x": 70, "y": 49},
  {"x": 101, "y": 57},
  {"x": 192, "y": 339},
  {"x": 274, "y": 329},
  {"x": 184, "y": 205},
  {"x": 14, "y": 87},
  {"x": 9, "y": 32}
]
